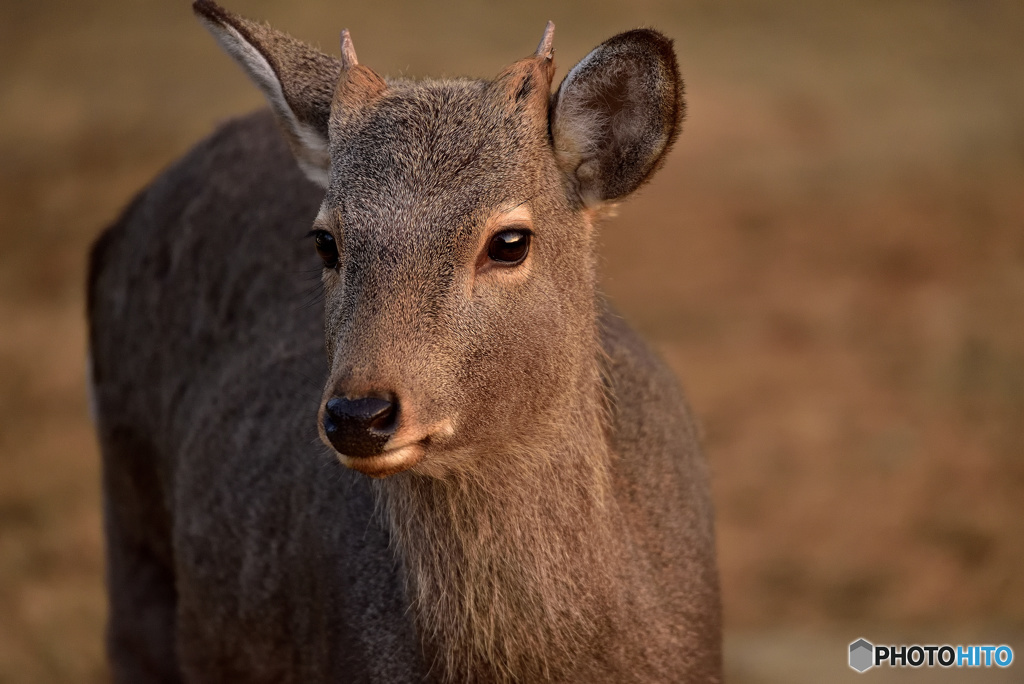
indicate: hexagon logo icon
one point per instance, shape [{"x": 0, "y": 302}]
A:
[{"x": 861, "y": 655}]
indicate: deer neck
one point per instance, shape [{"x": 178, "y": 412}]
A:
[{"x": 517, "y": 570}]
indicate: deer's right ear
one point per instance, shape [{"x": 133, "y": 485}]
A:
[
  {"x": 298, "y": 81},
  {"x": 616, "y": 115}
]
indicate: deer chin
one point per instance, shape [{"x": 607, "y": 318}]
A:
[{"x": 389, "y": 462}]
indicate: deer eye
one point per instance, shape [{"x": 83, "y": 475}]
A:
[
  {"x": 326, "y": 247},
  {"x": 509, "y": 246}
]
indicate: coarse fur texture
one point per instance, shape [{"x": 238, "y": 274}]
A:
[{"x": 541, "y": 510}]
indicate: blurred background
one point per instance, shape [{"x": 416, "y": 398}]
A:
[{"x": 832, "y": 260}]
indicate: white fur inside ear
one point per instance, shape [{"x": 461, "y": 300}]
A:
[
  {"x": 316, "y": 163},
  {"x": 321, "y": 216},
  {"x": 312, "y": 155},
  {"x": 579, "y": 129}
]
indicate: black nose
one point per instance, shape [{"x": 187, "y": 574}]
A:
[{"x": 359, "y": 427}]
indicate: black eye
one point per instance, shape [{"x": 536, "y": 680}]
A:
[
  {"x": 509, "y": 246},
  {"x": 326, "y": 247}
]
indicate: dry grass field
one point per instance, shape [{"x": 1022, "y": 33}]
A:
[{"x": 832, "y": 260}]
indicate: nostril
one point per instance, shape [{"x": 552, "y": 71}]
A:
[{"x": 381, "y": 414}]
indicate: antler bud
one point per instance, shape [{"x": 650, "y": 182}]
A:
[
  {"x": 348, "y": 51},
  {"x": 357, "y": 85},
  {"x": 546, "y": 48}
]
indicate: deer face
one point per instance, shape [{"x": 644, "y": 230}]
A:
[
  {"x": 456, "y": 235},
  {"x": 462, "y": 293}
]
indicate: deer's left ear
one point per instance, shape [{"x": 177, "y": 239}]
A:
[
  {"x": 297, "y": 80},
  {"x": 616, "y": 115}
]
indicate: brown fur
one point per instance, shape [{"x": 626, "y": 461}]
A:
[{"x": 546, "y": 499}]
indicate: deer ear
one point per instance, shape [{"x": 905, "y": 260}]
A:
[
  {"x": 616, "y": 115},
  {"x": 296, "y": 79}
]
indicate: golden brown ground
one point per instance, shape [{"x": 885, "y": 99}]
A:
[{"x": 833, "y": 261}]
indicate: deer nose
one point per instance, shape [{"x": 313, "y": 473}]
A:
[{"x": 359, "y": 427}]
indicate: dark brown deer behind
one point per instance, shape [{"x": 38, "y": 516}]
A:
[{"x": 540, "y": 508}]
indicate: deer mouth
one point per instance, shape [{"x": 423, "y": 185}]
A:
[
  {"x": 388, "y": 462},
  {"x": 404, "y": 450}
]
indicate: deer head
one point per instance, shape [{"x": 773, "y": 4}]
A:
[{"x": 457, "y": 235}]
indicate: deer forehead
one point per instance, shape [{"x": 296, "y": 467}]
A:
[{"x": 436, "y": 138}]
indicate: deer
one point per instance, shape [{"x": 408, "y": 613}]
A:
[{"x": 464, "y": 466}]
